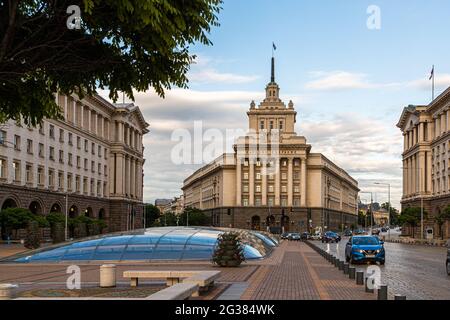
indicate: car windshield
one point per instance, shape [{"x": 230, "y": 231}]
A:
[{"x": 365, "y": 241}]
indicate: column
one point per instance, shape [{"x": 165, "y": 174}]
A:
[
  {"x": 251, "y": 183},
  {"x": 421, "y": 132},
  {"x": 303, "y": 183},
  {"x": 74, "y": 106},
  {"x": 277, "y": 182},
  {"x": 119, "y": 173},
  {"x": 127, "y": 175},
  {"x": 290, "y": 177},
  {"x": 404, "y": 177},
  {"x": 405, "y": 142},
  {"x": 238, "y": 181},
  {"x": 133, "y": 177},
  {"x": 264, "y": 183},
  {"x": 428, "y": 172},
  {"x": 82, "y": 116},
  {"x": 422, "y": 172}
]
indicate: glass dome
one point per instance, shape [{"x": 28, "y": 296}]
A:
[{"x": 168, "y": 243}]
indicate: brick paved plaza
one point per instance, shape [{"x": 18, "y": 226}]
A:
[{"x": 292, "y": 272}]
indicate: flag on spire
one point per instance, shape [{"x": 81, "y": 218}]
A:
[
  {"x": 274, "y": 46},
  {"x": 432, "y": 74}
]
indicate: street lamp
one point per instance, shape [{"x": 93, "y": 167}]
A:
[
  {"x": 389, "y": 205},
  {"x": 371, "y": 209},
  {"x": 66, "y": 218},
  {"x": 421, "y": 201}
]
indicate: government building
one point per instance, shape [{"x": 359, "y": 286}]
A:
[
  {"x": 273, "y": 181},
  {"x": 89, "y": 164},
  {"x": 426, "y": 158}
]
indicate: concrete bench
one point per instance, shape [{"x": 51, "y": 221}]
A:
[
  {"x": 205, "y": 280},
  {"x": 179, "y": 291}
]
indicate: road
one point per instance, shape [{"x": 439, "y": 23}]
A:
[{"x": 418, "y": 272}]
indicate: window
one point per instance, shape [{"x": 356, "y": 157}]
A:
[
  {"x": 271, "y": 188},
  {"x": 258, "y": 201},
  {"x": 29, "y": 173},
  {"x": 283, "y": 175},
  {"x": 245, "y": 202},
  {"x": 86, "y": 145},
  {"x": 61, "y": 156},
  {"x": 41, "y": 176},
  {"x": 52, "y": 153},
  {"x": 93, "y": 148},
  {"x": 271, "y": 125},
  {"x": 60, "y": 180},
  {"x": 78, "y": 162},
  {"x": 270, "y": 202},
  {"x": 70, "y": 159},
  {"x": 51, "y": 131},
  {"x": 284, "y": 163},
  {"x": 41, "y": 150},
  {"x": 99, "y": 168},
  {"x": 104, "y": 189},
  {"x": 16, "y": 170},
  {"x": 99, "y": 188},
  {"x": 245, "y": 175},
  {"x": 85, "y": 185},
  {"x": 106, "y": 153},
  {"x": 296, "y": 175},
  {"x": 92, "y": 187},
  {"x": 51, "y": 178},
  {"x": 77, "y": 184},
  {"x": 78, "y": 142},
  {"x": 296, "y": 202},
  {"x": 29, "y": 146},
  {"x": 41, "y": 129},
  {"x": 17, "y": 142},
  {"x": 93, "y": 166},
  {"x": 2, "y": 137},
  {"x": 283, "y": 188},
  {"x": 105, "y": 170},
  {"x": 261, "y": 124},
  {"x": 70, "y": 139},
  {"x": 85, "y": 164},
  {"x": 245, "y": 188},
  {"x": 283, "y": 202},
  {"x": 281, "y": 125},
  {"x": 3, "y": 169},
  {"x": 296, "y": 189},
  {"x": 296, "y": 163},
  {"x": 69, "y": 182},
  {"x": 61, "y": 135},
  {"x": 99, "y": 151},
  {"x": 258, "y": 176},
  {"x": 258, "y": 188}
]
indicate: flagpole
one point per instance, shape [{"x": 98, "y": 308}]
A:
[{"x": 432, "y": 95}]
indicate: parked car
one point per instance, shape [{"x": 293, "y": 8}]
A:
[
  {"x": 359, "y": 231},
  {"x": 294, "y": 236},
  {"x": 384, "y": 229},
  {"x": 285, "y": 235},
  {"x": 375, "y": 231},
  {"x": 365, "y": 249},
  {"x": 305, "y": 236},
  {"x": 448, "y": 258},
  {"x": 316, "y": 236},
  {"x": 331, "y": 236},
  {"x": 348, "y": 233}
]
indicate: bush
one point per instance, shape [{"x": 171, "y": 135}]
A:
[
  {"x": 229, "y": 251},
  {"x": 58, "y": 233},
  {"x": 33, "y": 238}
]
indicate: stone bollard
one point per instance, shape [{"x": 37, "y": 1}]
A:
[
  {"x": 108, "y": 275},
  {"x": 351, "y": 272},
  {"x": 371, "y": 280},
  {"x": 346, "y": 266},
  {"x": 382, "y": 292},
  {"x": 360, "y": 278},
  {"x": 341, "y": 265},
  {"x": 399, "y": 297},
  {"x": 6, "y": 291}
]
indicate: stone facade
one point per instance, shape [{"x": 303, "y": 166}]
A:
[
  {"x": 426, "y": 158},
  {"x": 94, "y": 157},
  {"x": 273, "y": 177}
]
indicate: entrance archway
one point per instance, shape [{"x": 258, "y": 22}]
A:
[
  {"x": 35, "y": 207},
  {"x": 9, "y": 203},
  {"x": 256, "y": 223},
  {"x": 285, "y": 223},
  {"x": 56, "y": 208},
  {"x": 270, "y": 221},
  {"x": 88, "y": 212},
  {"x": 101, "y": 214},
  {"x": 73, "y": 211}
]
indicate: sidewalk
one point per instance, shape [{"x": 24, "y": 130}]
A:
[{"x": 301, "y": 274}]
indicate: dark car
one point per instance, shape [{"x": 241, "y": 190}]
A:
[
  {"x": 294, "y": 237},
  {"x": 331, "y": 236},
  {"x": 285, "y": 235},
  {"x": 365, "y": 249},
  {"x": 384, "y": 229},
  {"x": 348, "y": 233},
  {"x": 448, "y": 260},
  {"x": 305, "y": 236}
]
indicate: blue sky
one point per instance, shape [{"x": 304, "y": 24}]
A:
[{"x": 349, "y": 83}]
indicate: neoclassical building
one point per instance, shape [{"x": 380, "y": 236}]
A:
[
  {"x": 91, "y": 163},
  {"x": 273, "y": 179},
  {"x": 426, "y": 158}
]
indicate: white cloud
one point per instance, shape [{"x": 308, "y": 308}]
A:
[
  {"x": 442, "y": 81},
  {"x": 340, "y": 80}
]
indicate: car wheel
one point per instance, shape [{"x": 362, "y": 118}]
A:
[{"x": 382, "y": 262}]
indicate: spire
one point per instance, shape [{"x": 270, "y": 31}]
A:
[{"x": 272, "y": 78}]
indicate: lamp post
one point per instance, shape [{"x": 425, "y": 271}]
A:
[
  {"x": 371, "y": 210},
  {"x": 421, "y": 201},
  {"x": 389, "y": 205},
  {"x": 67, "y": 214}
]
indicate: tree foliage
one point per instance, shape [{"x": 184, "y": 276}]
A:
[
  {"x": 229, "y": 250},
  {"x": 152, "y": 213},
  {"x": 411, "y": 216},
  {"x": 441, "y": 218},
  {"x": 121, "y": 45},
  {"x": 194, "y": 217}
]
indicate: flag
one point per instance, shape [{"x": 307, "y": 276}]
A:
[
  {"x": 274, "y": 47},
  {"x": 432, "y": 74}
]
